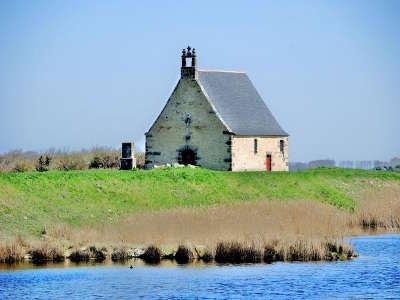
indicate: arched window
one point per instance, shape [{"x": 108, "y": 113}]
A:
[{"x": 282, "y": 146}]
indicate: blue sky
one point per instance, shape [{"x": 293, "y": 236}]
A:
[{"x": 77, "y": 74}]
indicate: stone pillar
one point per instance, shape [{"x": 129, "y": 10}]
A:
[{"x": 128, "y": 161}]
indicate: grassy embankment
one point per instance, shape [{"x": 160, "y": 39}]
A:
[{"x": 177, "y": 206}]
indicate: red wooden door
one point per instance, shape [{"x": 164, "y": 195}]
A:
[{"x": 268, "y": 163}]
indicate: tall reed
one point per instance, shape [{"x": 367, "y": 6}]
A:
[{"x": 11, "y": 252}]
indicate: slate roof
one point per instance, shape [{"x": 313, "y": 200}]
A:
[{"x": 239, "y": 104}]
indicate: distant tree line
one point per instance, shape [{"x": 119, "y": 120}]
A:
[
  {"x": 95, "y": 158},
  {"x": 391, "y": 165}
]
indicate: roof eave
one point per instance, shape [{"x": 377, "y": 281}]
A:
[{"x": 261, "y": 135}]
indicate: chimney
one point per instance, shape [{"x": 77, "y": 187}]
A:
[{"x": 189, "y": 66}]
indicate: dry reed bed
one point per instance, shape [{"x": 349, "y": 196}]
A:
[
  {"x": 379, "y": 210},
  {"x": 258, "y": 221},
  {"x": 11, "y": 252},
  {"x": 246, "y": 232},
  {"x": 225, "y": 252}
]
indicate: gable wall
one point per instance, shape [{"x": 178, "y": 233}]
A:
[
  {"x": 244, "y": 158},
  {"x": 207, "y": 133}
]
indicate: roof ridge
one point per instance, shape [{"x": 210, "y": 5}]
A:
[{"x": 221, "y": 71}]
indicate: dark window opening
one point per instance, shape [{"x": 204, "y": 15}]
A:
[
  {"x": 126, "y": 150},
  {"x": 282, "y": 145},
  {"x": 187, "y": 157},
  {"x": 255, "y": 146}
]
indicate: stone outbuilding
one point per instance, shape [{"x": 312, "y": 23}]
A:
[{"x": 216, "y": 120}]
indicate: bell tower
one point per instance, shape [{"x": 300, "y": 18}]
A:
[{"x": 189, "y": 64}]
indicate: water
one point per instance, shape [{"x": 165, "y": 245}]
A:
[{"x": 375, "y": 274}]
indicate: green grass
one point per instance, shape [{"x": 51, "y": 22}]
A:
[{"x": 29, "y": 201}]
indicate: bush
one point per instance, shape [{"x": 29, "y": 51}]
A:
[
  {"x": 140, "y": 159},
  {"x": 4, "y": 164},
  {"x": 44, "y": 253},
  {"x": 105, "y": 160},
  {"x": 78, "y": 256},
  {"x": 92, "y": 253},
  {"x": 152, "y": 255},
  {"x": 68, "y": 162},
  {"x": 23, "y": 166},
  {"x": 11, "y": 253},
  {"x": 235, "y": 252},
  {"x": 17, "y": 161},
  {"x": 96, "y": 163},
  {"x": 183, "y": 255},
  {"x": 97, "y": 254},
  {"x": 111, "y": 161},
  {"x": 119, "y": 254},
  {"x": 43, "y": 163},
  {"x": 270, "y": 254}
]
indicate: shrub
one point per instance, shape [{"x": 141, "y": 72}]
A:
[
  {"x": 11, "y": 253},
  {"x": 140, "y": 159},
  {"x": 119, "y": 254},
  {"x": 56, "y": 254},
  {"x": 17, "y": 161},
  {"x": 92, "y": 253},
  {"x": 106, "y": 160},
  {"x": 78, "y": 256},
  {"x": 235, "y": 252},
  {"x": 303, "y": 250},
  {"x": 97, "y": 254},
  {"x": 203, "y": 253},
  {"x": 207, "y": 256},
  {"x": 270, "y": 254},
  {"x": 111, "y": 161},
  {"x": 96, "y": 163},
  {"x": 23, "y": 166},
  {"x": 39, "y": 255},
  {"x": 4, "y": 164},
  {"x": 44, "y": 253},
  {"x": 152, "y": 255},
  {"x": 68, "y": 162},
  {"x": 183, "y": 255},
  {"x": 43, "y": 163},
  {"x": 338, "y": 250}
]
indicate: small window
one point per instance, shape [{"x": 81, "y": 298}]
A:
[
  {"x": 188, "y": 119},
  {"x": 255, "y": 146},
  {"x": 282, "y": 145}
]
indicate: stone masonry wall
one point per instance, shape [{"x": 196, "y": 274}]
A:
[
  {"x": 244, "y": 158},
  {"x": 205, "y": 133}
]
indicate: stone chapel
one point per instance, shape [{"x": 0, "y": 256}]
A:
[{"x": 216, "y": 120}]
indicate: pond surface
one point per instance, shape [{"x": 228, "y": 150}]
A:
[{"x": 375, "y": 274}]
